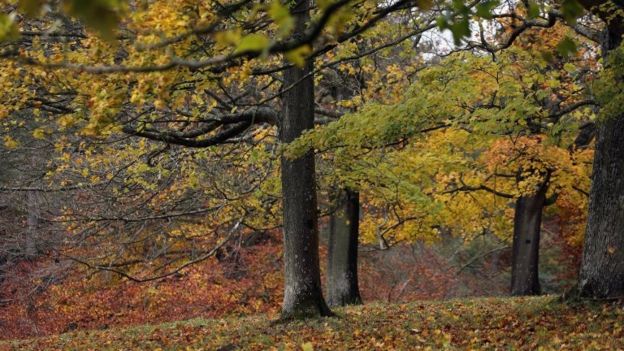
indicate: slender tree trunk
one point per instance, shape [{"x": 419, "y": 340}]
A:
[
  {"x": 342, "y": 282},
  {"x": 32, "y": 225},
  {"x": 302, "y": 292},
  {"x": 602, "y": 266},
  {"x": 32, "y": 206},
  {"x": 526, "y": 238}
]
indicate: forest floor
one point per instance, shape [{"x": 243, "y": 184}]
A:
[{"x": 479, "y": 324}]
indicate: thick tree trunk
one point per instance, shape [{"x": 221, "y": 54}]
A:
[
  {"x": 602, "y": 267},
  {"x": 526, "y": 238},
  {"x": 302, "y": 292},
  {"x": 342, "y": 282}
]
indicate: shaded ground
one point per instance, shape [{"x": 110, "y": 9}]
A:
[
  {"x": 478, "y": 324},
  {"x": 44, "y": 298},
  {"x": 247, "y": 281}
]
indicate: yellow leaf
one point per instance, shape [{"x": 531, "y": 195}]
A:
[
  {"x": 4, "y": 112},
  {"x": 226, "y": 38},
  {"x": 281, "y": 16},
  {"x": 10, "y": 143},
  {"x": 66, "y": 121},
  {"x": 298, "y": 56},
  {"x": 160, "y": 104},
  {"x": 307, "y": 346},
  {"x": 39, "y": 133},
  {"x": 252, "y": 42}
]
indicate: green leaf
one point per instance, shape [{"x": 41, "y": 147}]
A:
[
  {"x": 566, "y": 47},
  {"x": 442, "y": 22},
  {"x": 533, "y": 10},
  {"x": 8, "y": 28},
  {"x": 252, "y": 42},
  {"x": 460, "y": 30},
  {"x": 571, "y": 10},
  {"x": 484, "y": 9},
  {"x": 547, "y": 56},
  {"x": 460, "y": 7}
]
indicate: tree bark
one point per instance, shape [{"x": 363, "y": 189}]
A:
[
  {"x": 342, "y": 282},
  {"x": 302, "y": 291},
  {"x": 30, "y": 236},
  {"x": 601, "y": 274},
  {"x": 526, "y": 238},
  {"x": 32, "y": 225},
  {"x": 602, "y": 266}
]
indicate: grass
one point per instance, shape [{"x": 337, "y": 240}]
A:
[{"x": 478, "y": 324}]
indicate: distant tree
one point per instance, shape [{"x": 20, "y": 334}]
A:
[{"x": 342, "y": 268}]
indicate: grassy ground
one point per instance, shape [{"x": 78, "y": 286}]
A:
[{"x": 478, "y": 324}]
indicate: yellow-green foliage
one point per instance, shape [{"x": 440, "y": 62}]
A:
[
  {"x": 610, "y": 85},
  {"x": 468, "y": 130}
]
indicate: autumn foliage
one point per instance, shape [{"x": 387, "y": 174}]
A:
[
  {"x": 467, "y": 324},
  {"x": 246, "y": 281},
  {"x": 172, "y": 160}
]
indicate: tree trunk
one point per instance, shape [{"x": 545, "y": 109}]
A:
[
  {"x": 302, "y": 291},
  {"x": 342, "y": 282},
  {"x": 30, "y": 237},
  {"x": 32, "y": 225},
  {"x": 602, "y": 267},
  {"x": 526, "y": 238}
]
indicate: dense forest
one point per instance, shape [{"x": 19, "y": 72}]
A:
[{"x": 167, "y": 160}]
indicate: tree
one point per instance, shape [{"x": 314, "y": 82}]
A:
[
  {"x": 342, "y": 268},
  {"x": 526, "y": 238},
  {"x": 210, "y": 80},
  {"x": 302, "y": 291},
  {"x": 602, "y": 267},
  {"x": 175, "y": 101},
  {"x": 469, "y": 131}
]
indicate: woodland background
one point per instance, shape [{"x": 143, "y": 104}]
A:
[{"x": 151, "y": 164}]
